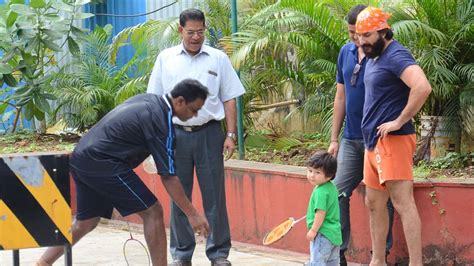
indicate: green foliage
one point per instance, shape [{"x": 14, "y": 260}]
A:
[
  {"x": 294, "y": 149},
  {"x": 453, "y": 160},
  {"x": 91, "y": 86},
  {"x": 281, "y": 142},
  {"x": 422, "y": 170},
  {"x": 29, "y": 37},
  {"x": 440, "y": 35},
  {"x": 290, "y": 47}
]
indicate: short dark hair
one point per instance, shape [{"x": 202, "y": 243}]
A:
[
  {"x": 190, "y": 90},
  {"x": 353, "y": 13},
  {"x": 325, "y": 161},
  {"x": 191, "y": 14},
  {"x": 388, "y": 33}
]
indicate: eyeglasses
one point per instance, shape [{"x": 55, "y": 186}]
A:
[
  {"x": 191, "y": 33},
  {"x": 355, "y": 74}
]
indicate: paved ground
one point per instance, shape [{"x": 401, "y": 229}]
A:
[{"x": 104, "y": 247}]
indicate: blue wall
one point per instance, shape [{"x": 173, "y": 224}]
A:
[{"x": 118, "y": 7}]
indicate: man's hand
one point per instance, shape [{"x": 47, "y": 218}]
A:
[
  {"x": 388, "y": 127},
  {"x": 199, "y": 224},
  {"x": 311, "y": 235},
  {"x": 333, "y": 148},
  {"x": 175, "y": 190},
  {"x": 229, "y": 147}
]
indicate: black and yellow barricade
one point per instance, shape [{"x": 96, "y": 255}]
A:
[{"x": 35, "y": 208}]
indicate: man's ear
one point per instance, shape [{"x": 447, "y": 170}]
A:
[
  {"x": 180, "y": 100},
  {"x": 180, "y": 29}
]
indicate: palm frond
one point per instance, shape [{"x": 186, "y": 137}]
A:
[
  {"x": 130, "y": 88},
  {"x": 407, "y": 30},
  {"x": 465, "y": 71}
]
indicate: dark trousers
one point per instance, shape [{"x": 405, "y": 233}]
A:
[
  {"x": 201, "y": 151},
  {"x": 350, "y": 171}
]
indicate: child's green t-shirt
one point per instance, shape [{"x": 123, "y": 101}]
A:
[{"x": 325, "y": 197}]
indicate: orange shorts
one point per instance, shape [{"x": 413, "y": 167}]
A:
[{"x": 391, "y": 159}]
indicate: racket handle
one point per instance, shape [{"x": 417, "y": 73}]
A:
[{"x": 297, "y": 221}]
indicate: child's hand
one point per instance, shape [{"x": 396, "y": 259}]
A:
[{"x": 311, "y": 235}]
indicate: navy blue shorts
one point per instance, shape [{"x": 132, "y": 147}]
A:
[{"x": 98, "y": 195}]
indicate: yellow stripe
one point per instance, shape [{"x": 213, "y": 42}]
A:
[
  {"x": 13, "y": 235},
  {"x": 53, "y": 202}
]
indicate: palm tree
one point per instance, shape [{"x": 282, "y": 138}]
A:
[
  {"x": 440, "y": 36},
  {"x": 91, "y": 86},
  {"x": 293, "y": 44}
]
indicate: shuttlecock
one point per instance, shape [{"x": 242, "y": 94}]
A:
[{"x": 149, "y": 165}]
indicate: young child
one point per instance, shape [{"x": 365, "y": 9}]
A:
[{"x": 323, "y": 211}]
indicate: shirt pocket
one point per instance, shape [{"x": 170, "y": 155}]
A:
[{"x": 210, "y": 78}]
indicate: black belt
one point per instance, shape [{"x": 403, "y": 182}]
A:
[{"x": 195, "y": 128}]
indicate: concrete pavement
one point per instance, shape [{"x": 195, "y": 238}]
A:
[{"x": 104, "y": 247}]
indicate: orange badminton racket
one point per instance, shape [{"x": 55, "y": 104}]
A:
[{"x": 279, "y": 231}]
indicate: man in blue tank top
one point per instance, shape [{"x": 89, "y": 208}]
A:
[{"x": 395, "y": 90}]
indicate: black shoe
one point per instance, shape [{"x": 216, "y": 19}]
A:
[
  {"x": 342, "y": 259},
  {"x": 220, "y": 262},
  {"x": 180, "y": 263}
]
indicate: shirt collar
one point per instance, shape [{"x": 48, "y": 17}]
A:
[
  {"x": 353, "y": 48},
  {"x": 204, "y": 49},
  {"x": 167, "y": 99}
]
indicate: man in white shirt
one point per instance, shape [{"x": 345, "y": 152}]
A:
[{"x": 201, "y": 142}]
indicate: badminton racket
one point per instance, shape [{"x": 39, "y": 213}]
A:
[
  {"x": 279, "y": 231},
  {"x": 134, "y": 251}
]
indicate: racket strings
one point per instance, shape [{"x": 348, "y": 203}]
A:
[
  {"x": 279, "y": 231},
  {"x": 133, "y": 240}
]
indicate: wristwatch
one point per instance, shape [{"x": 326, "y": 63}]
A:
[{"x": 232, "y": 136}]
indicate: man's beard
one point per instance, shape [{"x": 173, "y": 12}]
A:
[{"x": 374, "y": 50}]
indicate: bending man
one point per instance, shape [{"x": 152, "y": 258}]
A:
[{"x": 103, "y": 161}]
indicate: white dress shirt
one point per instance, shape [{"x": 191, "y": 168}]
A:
[{"x": 210, "y": 66}]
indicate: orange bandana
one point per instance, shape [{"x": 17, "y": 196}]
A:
[{"x": 372, "y": 19}]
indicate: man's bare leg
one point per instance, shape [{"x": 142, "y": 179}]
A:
[
  {"x": 79, "y": 229},
  {"x": 401, "y": 193},
  {"x": 376, "y": 201},
  {"x": 155, "y": 234}
]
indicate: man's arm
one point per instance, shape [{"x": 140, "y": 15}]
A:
[
  {"x": 175, "y": 190},
  {"x": 414, "y": 77},
  {"x": 318, "y": 221},
  {"x": 230, "y": 110},
  {"x": 337, "y": 118}
]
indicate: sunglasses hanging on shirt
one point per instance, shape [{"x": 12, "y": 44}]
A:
[{"x": 355, "y": 74}]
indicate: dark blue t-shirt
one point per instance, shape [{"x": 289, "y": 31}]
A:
[
  {"x": 386, "y": 95},
  {"x": 127, "y": 135},
  {"x": 354, "y": 95}
]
